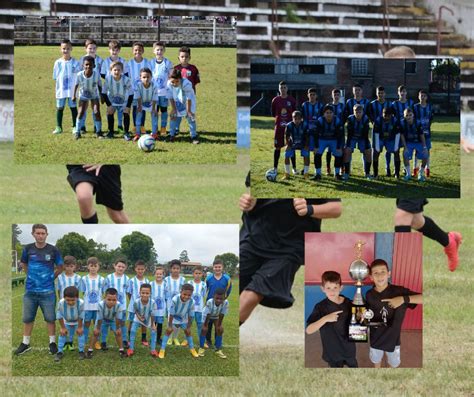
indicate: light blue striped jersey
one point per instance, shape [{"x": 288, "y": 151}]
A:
[
  {"x": 180, "y": 95},
  {"x": 120, "y": 284},
  {"x": 161, "y": 71},
  {"x": 97, "y": 62},
  {"x": 65, "y": 72},
  {"x": 88, "y": 86},
  {"x": 145, "y": 310},
  {"x": 108, "y": 314},
  {"x": 173, "y": 287},
  {"x": 105, "y": 68},
  {"x": 64, "y": 281},
  {"x": 93, "y": 288},
  {"x": 133, "y": 288},
  {"x": 199, "y": 295},
  {"x": 214, "y": 311},
  {"x": 158, "y": 294},
  {"x": 117, "y": 91},
  {"x": 181, "y": 311},
  {"x": 134, "y": 68},
  {"x": 147, "y": 94},
  {"x": 70, "y": 314}
]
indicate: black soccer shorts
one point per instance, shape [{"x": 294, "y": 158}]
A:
[{"x": 413, "y": 206}]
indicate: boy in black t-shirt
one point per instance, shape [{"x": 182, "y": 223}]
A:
[
  {"x": 272, "y": 247},
  {"x": 331, "y": 318},
  {"x": 389, "y": 303}
]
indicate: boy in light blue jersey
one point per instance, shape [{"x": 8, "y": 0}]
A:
[
  {"x": 109, "y": 315},
  {"x": 134, "y": 67},
  {"x": 183, "y": 104},
  {"x": 158, "y": 295},
  {"x": 215, "y": 310},
  {"x": 180, "y": 316},
  {"x": 70, "y": 315},
  {"x": 146, "y": 96},
  {"x": 143, "y": 309},
  {"x": 119, "y": 281},
  {"x": 67, "y": 279},
  {"x": 133, "y": 293},
  {"x": 173, "y": 283},
  {"x": 64, "y": 73},
  {"x": 92, "y": 287},
  {"x": 198, "y": 297},
  {"x": 161, "y": 68},
  {"x": 87, "y": 89}
]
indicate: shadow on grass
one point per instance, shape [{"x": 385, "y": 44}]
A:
[{"x": 262, "y": 124}]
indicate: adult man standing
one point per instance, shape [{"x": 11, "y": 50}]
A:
[{"x": 42, "y": 263}]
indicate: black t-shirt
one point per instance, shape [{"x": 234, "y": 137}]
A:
[
  {"x": 334, "y": 336},
  {"x": 274, "y": 229},
  {"x": 381, "y": 337}
]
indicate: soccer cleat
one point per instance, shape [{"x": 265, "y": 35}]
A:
[
  {"x": 97, "y": 346},
  {"x": 421, "y": 178},
  {"x": 451, "y": 250},
  {"x": 23, "y": 348},
  {"x": 122, "y": 353},
  {"x": 194, "y": 353},
  {"x": 154, "y": 353},
  {"x": 77, "y": 136},
  {"x": 427, "y": 172},
  {"x": 125, "y": 344},
  {"x": 154, "y": 136},
  {"x": 220, "y": 354},
  {"x": 294, "y": 171},
  {"x": 74, "y": 130},
  {"x": 145, "y": 343},
  {"x": 59, "y": 356},
  {"x": 89, "y": 354},
  {"x": 53, "y": 348},
  {"x": 172, "y": 138},
  {"x": 317, "y": 177},
  {"x": 136, "y": 137},
  {"x": 415, "y": 172},
  {"x": 388, "y": 172},
  {"x": 163, "y": 131},
  {"x": 110, "y": 135},
  {"x": 126, "y": 136},
  {"x": 57, "y": 130},
  {"x": 345, "y": 177},
  {"x": 285, "y": 177},
  {"x": 184, "y": 343},
  {"x": 82, "y": 355},
  {"x": 369, "y": 177},
  {"x": 71, "y": 347},
  {"x": 338, "y": 177},
  {"x": 170, "y": 342},
  {"x": 130, "y": 352},
  {"x": 83, "y": 129},
  {"x": 201, "y": 352},
  {"x": 206, "y": 345},
  {"x": 195, "y": 140},
  {"x": 161, "y": 354},
  {"x": 99, "y": 135},
  {"x": 103, "y": 347},
  {"x": 176, "y": 342},
  {"x": 328, "y": 171},
  {"x": 407, "y": 177}
]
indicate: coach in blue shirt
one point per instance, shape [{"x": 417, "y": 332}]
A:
[{"x": 42, "y": 263}]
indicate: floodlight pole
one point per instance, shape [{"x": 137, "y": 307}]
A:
[{"x": 440, "y": 10}]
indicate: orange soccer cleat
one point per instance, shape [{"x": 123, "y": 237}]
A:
[{"x": 451, "y": 250}]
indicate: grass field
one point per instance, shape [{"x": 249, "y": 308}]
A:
[
  {"x": 35, "y": 115},
  {"x": 178, "y": 360},
  {"x": 443, "y": 183}
]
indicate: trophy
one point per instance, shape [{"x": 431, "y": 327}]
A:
[{"x": 358, "y": 270}]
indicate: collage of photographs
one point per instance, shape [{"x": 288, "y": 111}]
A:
[{"x": 303, "y": 166}]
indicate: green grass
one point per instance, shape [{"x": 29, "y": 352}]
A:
[
  {"x": 443, "y": 183},
  {"x": 35, "y": 115},
  {"x": 178, "y": 360}
]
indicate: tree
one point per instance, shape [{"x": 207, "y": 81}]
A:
[
  {"x": 230, "y": 261},
  {"x": 137, "y": 246},
  {"x": 183, "y": 257},
  {"x": 74, "y": 244},
  {"x": 15, "y": 233}
]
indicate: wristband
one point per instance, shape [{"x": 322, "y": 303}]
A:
[
  {"x": 406, "y": 299},
  {"x": 310, "y": 210}
]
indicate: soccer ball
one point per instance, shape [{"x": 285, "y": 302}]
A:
[
  {"x": 271, "y": 175},
  {"x": 146, "y": 143}
]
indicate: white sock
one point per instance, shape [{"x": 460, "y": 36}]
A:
[
  {"x": 52, "y": 339},
  {"x": 287, "y": 168},
  {"x": 305, "y": 169},
  {"x": 26, "y": 339}
]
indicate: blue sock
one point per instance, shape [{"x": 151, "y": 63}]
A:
[
  {"x": 98, "y": 126},
  {"x": 86, "y": 334},
  {"x": 153, "y": 340},
  {"x": 318, "y": 171},
  {"x": 133, "y": 334},
  {"x": 81, "y": 342},
  {"x": 103, "y": 333},
  {"x": 202, "y": 341},
  {"x": 120, "y": 119},
  {"x": 61, "y": 343},
  {"x": 338, "y": 169},
  {"x": 199, "y": 328},
  {"x": 164, "y": 119},
  {"x": 218, "y": 342},
  {"x": 79, "y": 124},
  {"x": 124, "y": 332},
  {"x": 190, "y": 342},
  {"x": 164, "y": 342}
]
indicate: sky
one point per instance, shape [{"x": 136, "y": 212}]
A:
[{"x": 203, "y": 242}]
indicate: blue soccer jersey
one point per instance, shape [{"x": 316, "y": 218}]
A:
[
  {"x": 92, "y": 288},
  {"x": 181, "y": 311},
  {"x": 134, "y": 68},
  {"x": 199, "y": 295},
  {"x": 214, "y": 311},
  {"x": 88, "y": 87},
  {"x": 349, "y": 108},
  {"x": 386, "y": 131},
  {"x": 411, "y": 132},
  {"x": 181, "y": 94},
  {"x": 70, "y": 314},
  {"x": 105, "y": 67},
  {"x": 108, "y": 313},
  {"x": 120, "y": 284},
  {"x": 148, "y": 95},
  {"x": 133, "y": 288},
  {"x": 97, "y": 62},
  {"x": 65, "y": 72},
  {"x": 296, "y": 134},
  {"x": 161, "y": 71},
  {"x": 338, "y": 109},
  {"x": 330, "y": 131},
  {"x": 41, "y": 263},
  {"x": 399, "y": 107},
  {"x": 311, "y": 112},
  {"x": 375, "y": 109},
  {"x": 424, "y": 114},
  {"x": 144, "y": 310},
  {"x": 173, "y": 286},
  {"x": 357, "y": 129},
  {"x": 64, "y": 281},
  {"x": 214, "y": 283},
  {"x": 158, "y": 294},
  {"x": 117, "y": 91}
]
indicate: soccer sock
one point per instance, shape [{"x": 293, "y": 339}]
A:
[
  {"x": 143, "y": 118},
  {"x": 126, "y": 122},
  {"x": 134, "y": 114},
  {"x": 133, "y": 334},
  {"x": 175, "y": 332},
  {"x": 338, "y": 164},
  {"x": 287, "y": 168},
  {"x": 124, "y": 333},
  {"x": 143, "y": 336},
  {"x": 93, "y": 219},
  {"x": 110, "y": 122},
  {"x": 154, "y": 123},
  {"x": 98, "y": 126},
  {"x": 153, "y": 340},
  {"x": 276, "y": 157},
  {"x": 199, "y": 328},
  {"x": 218, "y": 342},
  {"x": 376, "y": 167},
  {"x": 388, "y": 157},
  {"x": 52, "y": 338},
  {"x": 86, "y": 333},
  {"x": 79, "y": 124},
  {"x": 317, "y": 162},
  {"x": 202, "y": 340},
  {"x": 190, "y": 342},
  {"x": 415, "y": 163},
  {"x": 402, "y": 229},
  {"x": 367, "y": 165},
  {"x": 120, "y": 116},
  {"x": 74, "y": 116},
  {"x": 328, "y": 159},
  {"x": 293, "y": 161},
  {"x": 431, "y": 230},
  {"x": 347, "y": 168},
  {"x": 61, "y": 343},
  {"x": 305, "y": 169},
  {"x": 159, "y": 330},
  {"x": 407, "y": 169},
  {"x": 26, "y": 339},
  {"x": 164, "y": 342},
  {"x": 103, "y": 333},
  {"x": 397, "y": 164},
  {"x": 81, "y": 342},
  {"x": 59, "y": 117},
  {"x": 164, "y": 119}
]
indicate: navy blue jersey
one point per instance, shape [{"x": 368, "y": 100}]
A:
[
  {"x": 338, "y": 109},
  {"x": 297, "y": 134},
  {"x": 399, "y": 107},
  {"x": 311, "y": 113},
  {"x": 376, "y": 108},
  {"x": 413, "y": 132},
  {"x": 425, "y": 116},
  {"x": 357, "y": 129},
  {"x": 331, "y": 131},
  {"x": 387, "y": 130},
  {"x": 350, "y": 106}
]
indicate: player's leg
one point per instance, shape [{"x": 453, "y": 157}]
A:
[
  {"x": 424, "y": 158},
  {"x": 198, "y": 318},
  {"x": 189, "y": 338},
  {"x": 144, "y": 341},
  {"x": 376, "y": 357},
  {"x": 60, "y": 103},
  {"x": 80, "y": 340},
  {"x": 126, "y": 123},
  {"x": 117, "y": 216},
  {"x": 85, "y": 199},
  {"x": 347, "y": 157},
  {"x": 248, "y": 301},
  {"x": 47, "y": 304},
  {"x": 278, "y": 144},
  {"x": 80, "y": 117},
  {"x": 104, "y": 332},
  {"x": 289, "y": 153},
  {"x": 153, "y": 338},
  {"x": 73, "y": 107},
  {"x": 92, "y": 341},
  {"x": 328, "y": 163},
  {"x": 120, "y": 119},
  {"x": 305, "y": 155},
  {"x": 202, "y": 338},
  {"x": 133, "y": 335},
  {"x": 407, "y": 156},
  {"x": 317, "y": 162},
  {"x": 154, "y": 124},
  {"x": 397, "y": 162},
  {"x": 375, "y": 162},
  {"x": 337, "y": 153},
  {"x": 110, "y": 121},
  {"x": 87, "y": 323},
  {"x": 367, "y": 162},
  {"x": 123, "y": 328},
  {"x": 219, "y": 334},
  {"x": 209, "y": 333},
  {"x": 159, "y": 327},
  {"x": 393, "y": 358},
  {"x": 163, "y": 106},
  {"x": 30, "y": 307},
  {"x": 192, "y": 129},
  {"x": 403, "y": 220},
  {"x": 388, "y": 158},
  {"x": 97, "y": 117},
  {"x": 138, "y": 117}
]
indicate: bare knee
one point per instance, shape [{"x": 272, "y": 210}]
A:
[{"x": 403, "y": 218}]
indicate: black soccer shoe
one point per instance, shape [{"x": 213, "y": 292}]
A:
[
  {"x": 82, "y": 355},
  {"x": 53, "y": 348},
  {"x": 317, "y": 177},
  {"x": 23, "y": 348},
  {"x": 103, "y": 347},
  {"x": 58, "y": 357}
]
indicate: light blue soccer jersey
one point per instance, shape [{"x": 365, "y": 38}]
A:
[
  {"x": 63, "y": 281},
  {"x": 214, "y": 311},
  {"x": 145, "y": 310},
  {"x": 88, "y": 86},
  {"x": 120, "y": 284},
  {"x": 173, "y": 287},
  {"x": 199, "y": 295},
  {"x": 65, "y": 72},
  {"x": 147, "y": 94},
  {"x": 108, "y": 314},
  {"x": 105, "y": 68},
  {"x": 133, "y": 288},
  {"x": 97, "y": 62},
  {"x": 134, "y": 68},
  {"x": 93, "y": 288},
  {"x": 158, "y": 295},
  {"x": 118, "y": 91},
  {"x": 181, "y": 311},
  {"x": 180, "y": 95},
  {"x": 161, "y": 71},
  {"x": 70, "y": 314}
]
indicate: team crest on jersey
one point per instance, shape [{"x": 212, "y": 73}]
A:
[
  {"x": 117, "y": 99},
  {"x": 283, "y": 111},
  {"x": 120, "y": 298},
  {"x": 159, "y": 303},
  {"x": 47, "y": 257},
  {"x": 288, "y": 103},
  {"x": 146, "y": 104},
  {"x": 180, "y": 106},
  {"x": 179, "y": 318},
  {"x": 93, "y": 297},
  {"x": 197, "y": 299},
  {"x": 188, "y": 73},
  {"x": 87, "y": 94}
]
